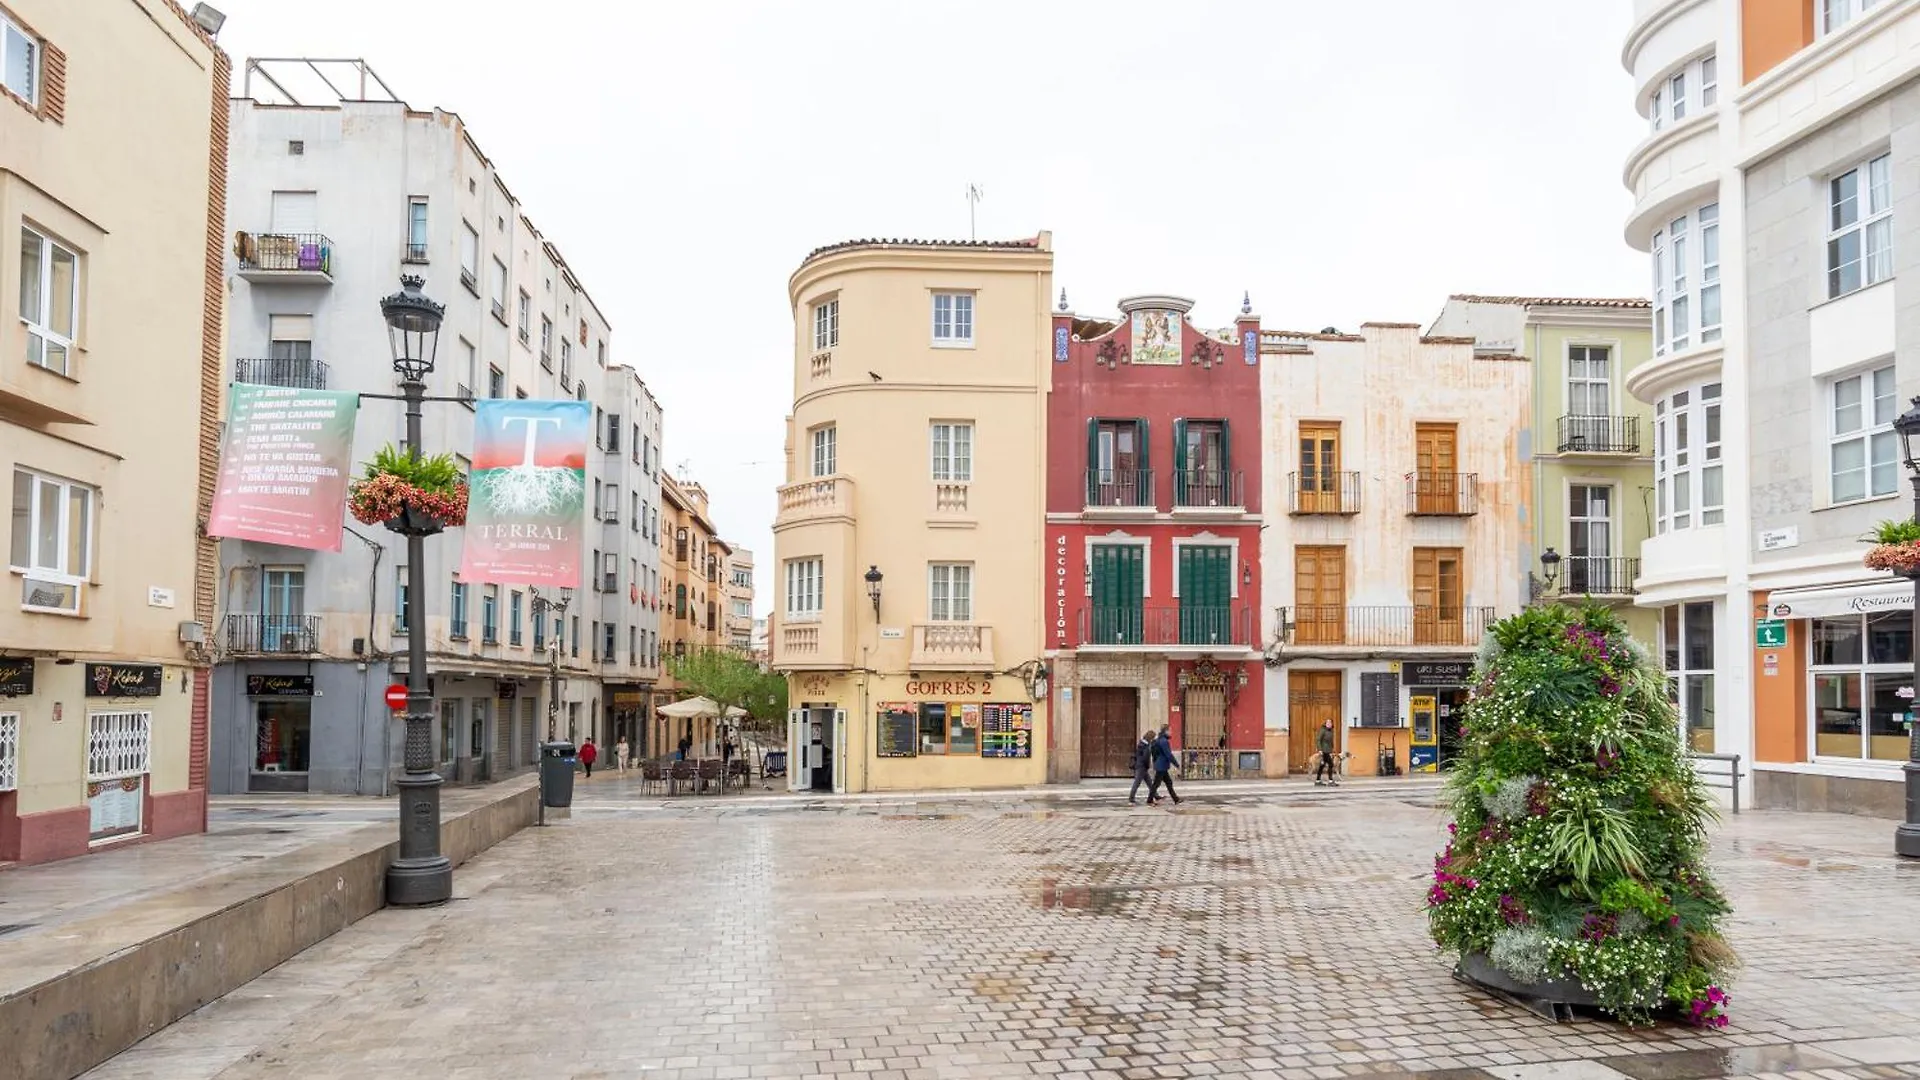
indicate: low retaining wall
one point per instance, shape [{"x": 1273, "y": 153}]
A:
[
  {"x": 1818, "y": 794},
  {"x": 225, "y": 933}
]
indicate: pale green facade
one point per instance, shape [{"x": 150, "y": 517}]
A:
[{"x": 1591, "y": 441}]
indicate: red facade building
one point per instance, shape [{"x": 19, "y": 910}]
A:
[{"x": 1153, "y": 517}]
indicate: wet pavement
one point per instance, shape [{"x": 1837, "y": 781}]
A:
[{"x": 1269, "y": 933}]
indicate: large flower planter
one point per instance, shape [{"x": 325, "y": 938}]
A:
[
  {"x": 414, "y": 522},
  {"x": 1901, "y": 558},
  {"x": 1554, "y": 998}
]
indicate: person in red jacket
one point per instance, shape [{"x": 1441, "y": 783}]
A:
[{"x": 588, "y": 752}]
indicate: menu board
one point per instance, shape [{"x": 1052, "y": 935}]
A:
[
  {"x": 897, "y": 730},
  {"x": 1379, "y": 700},
  {"x": 1006, "y": 730}
]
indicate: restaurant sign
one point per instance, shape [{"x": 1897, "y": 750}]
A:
[
  {"x": 1436, "y": 672},
  {"x": 16, "y": 676},
  {"x": 123, "y": 680},
  {"x": 279, "y": 686}
]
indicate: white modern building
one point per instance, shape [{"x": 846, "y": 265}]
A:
[
  {"x": 628, "y": 554},
  {"x": 1773, "y": 197},
  {"x": 330, "y": 202}
]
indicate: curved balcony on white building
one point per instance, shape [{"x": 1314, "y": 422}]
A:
[
  {"x": 1687, "y": 565},
  {"x": 1662, "y": 375},
  {"x": 1671, "y": 173}
]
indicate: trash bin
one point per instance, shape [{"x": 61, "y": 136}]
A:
[{"x": 556, "y": 774}]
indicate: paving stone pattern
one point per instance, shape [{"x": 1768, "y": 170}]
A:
[{"x": 1246, "y": 936}]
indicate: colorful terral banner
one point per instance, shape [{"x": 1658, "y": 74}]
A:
[
  {"x": 527, "y": 500},
  {"x": 284, "y": 465}
]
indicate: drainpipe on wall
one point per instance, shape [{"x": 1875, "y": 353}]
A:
[{"x": 1539, "y": 474}]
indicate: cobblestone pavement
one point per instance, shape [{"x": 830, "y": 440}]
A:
[{"x": 1239, "y": 935}]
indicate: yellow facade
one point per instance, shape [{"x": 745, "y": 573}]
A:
[
  {"x": 110, "y": 399},
  {"x": 915, "y": 452},
  {"x": 693, "y": 595}
]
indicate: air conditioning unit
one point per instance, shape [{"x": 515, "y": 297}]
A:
[{"x": 192, "y": 633}]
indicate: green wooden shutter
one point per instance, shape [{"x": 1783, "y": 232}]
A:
[
  {"x": 1226, "y": 465},
  {"x": 1206, "y": 587},
  {"x": 1093, "y": 461},
  {"x": 1144, "y": 483},
  {"x": 1117, "y": 587},
  {"x": 1179, "y": 460}
]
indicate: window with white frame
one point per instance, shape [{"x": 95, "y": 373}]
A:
[
  {"x": 1860, "y": 664},
  {"x": 1863, "y": 451},
  {"x": 1589, "y": 380},
  {"x": 500, "y": 290},
  {"x": 1860, "y": 226},
  {"x": 953, "y": 318},
  {"x": 826, "y": 451},
  {"x": 470, "y": 257},
  {"x": 52, "y": 546},
  {"x": 952, "y": 453},
  {"x": 19, "y": 61},
  {"x": 804, "y": 593},
  {"x": 1686, "y": 281},
  {"x": 1686, "y": 645},
  {"x": 1694, "y": 85},
  {"x": 950, "y": 592},
  {"x": 10, "y": 750},
  {"x": 1688, "y": 467},
  {"x": 49, "y": 300},
  {"x": 119, "y": 745},
  {"x": 826, "y": 324},
  {"x": 1834, "y": 14}
]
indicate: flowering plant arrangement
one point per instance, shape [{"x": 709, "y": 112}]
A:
[
  {"x": 1578, "y": 845},
  {"x": 1896, "y": 547},
  {"x": 398, "y": 485}
]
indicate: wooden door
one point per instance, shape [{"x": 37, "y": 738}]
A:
[
  {"x": 1320, "y": 595},
  {"x": 1313, "y": 698},
  {"x": 1109, "y": 727},
  {"x": 1436, "y": 468},
  {"x": 1437, "y": 596},
  {"x": 1206, "y": 589},
  {"x": 1115, "y": 615},
  {"x": 1319, "y": 490}
]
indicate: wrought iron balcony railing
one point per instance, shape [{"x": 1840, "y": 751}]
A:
[
  {"x": 289, "y": 253},
  {"x": 1119, "y": 488},
  {"x": 1599, "y": 434},
  {"x": 1389, "y": 624},
  {"x": 1598, "y": 575},
  {"x": 1443, "y": 494},
  {"x": 272, "y": 634},
  {"x": 1208, "y": 488},
  {"x": 1324, "y": 492},
  {"x": 304, "y": 374},
  {"x": 1221, "y": 625}
]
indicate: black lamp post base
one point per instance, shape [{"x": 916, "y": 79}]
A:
[
  {"x": 1906, "y": 839},
  {"x": 420, "y": 884}
]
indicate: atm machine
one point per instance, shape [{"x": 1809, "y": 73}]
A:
[{"x": 1423, "y": 756}]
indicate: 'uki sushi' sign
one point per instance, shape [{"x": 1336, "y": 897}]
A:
[{"x": 527, "y": 503}]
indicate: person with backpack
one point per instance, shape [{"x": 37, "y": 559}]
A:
[
  {"x": 1142, "y": 767},
  {"x": 1163, "y": 765}
]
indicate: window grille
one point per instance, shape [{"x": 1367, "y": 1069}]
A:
[{"x": 119, "y": 744}]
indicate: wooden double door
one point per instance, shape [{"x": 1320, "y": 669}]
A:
[
  {"x": 1313, "y": 698},
  {"x": 1109, "y": 728}
]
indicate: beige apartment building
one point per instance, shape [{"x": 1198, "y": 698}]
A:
[
  {"x": 908, "y": 541},
  {"x": 739, "y": 613},
  {"x": 110, "y": 377},
  {"x": 692, "y": 599}
]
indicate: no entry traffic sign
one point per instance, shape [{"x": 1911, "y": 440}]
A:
[{"x": 396, "y": 697}]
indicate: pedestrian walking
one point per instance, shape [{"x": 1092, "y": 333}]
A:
[
  {"x": 686, "y": 745},
  {"x": 1142, "y": 768},
  {"x": 622, "y": 753},
  {"x": 588, "y": 752},
  {"x": 727, "y": 749},
  {"x": 1323, "y": 740},
  {"x": 1163, "y": 765}
]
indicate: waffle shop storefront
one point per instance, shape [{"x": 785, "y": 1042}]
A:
[
  {"x": 880, "y": 732},
  {"x": 1833, "y": 692}
]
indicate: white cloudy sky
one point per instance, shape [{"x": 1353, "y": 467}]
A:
[{"x": 1343, "y": 161}]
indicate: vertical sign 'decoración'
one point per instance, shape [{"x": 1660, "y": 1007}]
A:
[
  {"x": 528, "y": 492},
  {"x": 283, "y": 466}
]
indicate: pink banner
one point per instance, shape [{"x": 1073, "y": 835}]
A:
[
  {"x": 284, "y": 465},
  {"x": 527, "y": 499}
]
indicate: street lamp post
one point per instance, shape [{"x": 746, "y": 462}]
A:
[
  {"x": 421, "y": 874},
  {"x": 542, "y": 605},
  {"x": 1549, "y": 571},
  {"x": 1906, "y": 838}
]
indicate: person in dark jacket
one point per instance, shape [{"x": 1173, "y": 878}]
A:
[
  {"x": 1163, "y": 762},
  {"x": 1142, "y": 767},
  {"x": 1323, "y": 741}
]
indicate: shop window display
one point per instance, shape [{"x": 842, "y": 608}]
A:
[{"x": 1861, "y": 664}]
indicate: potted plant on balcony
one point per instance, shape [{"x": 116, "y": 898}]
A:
[
  {"x": 1896, "y": 547},
  {"x": 1575, "y": 872},
  {"x": 413, "y": 496}
]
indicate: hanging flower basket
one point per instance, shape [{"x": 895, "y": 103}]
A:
[
  {"x": 410, "y": 496},
  {"x": 1902, "y": 558}
]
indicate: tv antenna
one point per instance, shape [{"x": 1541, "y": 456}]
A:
[{"x": 974, "y": 194}]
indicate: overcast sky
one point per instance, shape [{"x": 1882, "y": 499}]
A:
[{"x": 1342, "y": 161}]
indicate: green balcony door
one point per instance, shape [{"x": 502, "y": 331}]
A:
[
  {"x": 1119, "y": 581},
  {"x": 1206, "y": 594}
]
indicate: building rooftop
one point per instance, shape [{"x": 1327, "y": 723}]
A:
[
  {"x": 1032, "y": 243},
  {"x": 1554, "y": 301}
]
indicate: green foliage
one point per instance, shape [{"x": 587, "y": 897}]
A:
[
  {"x": 1895, "y": 532},
  {"x": 1579, "y": 834},
  {"x": 437, "y": 474},
  {"x": 733, "y": 681}
]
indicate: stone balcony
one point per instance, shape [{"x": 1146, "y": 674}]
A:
[
  {"x": 821, "y": 498},
  {"x": 950, "y": 646}
]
